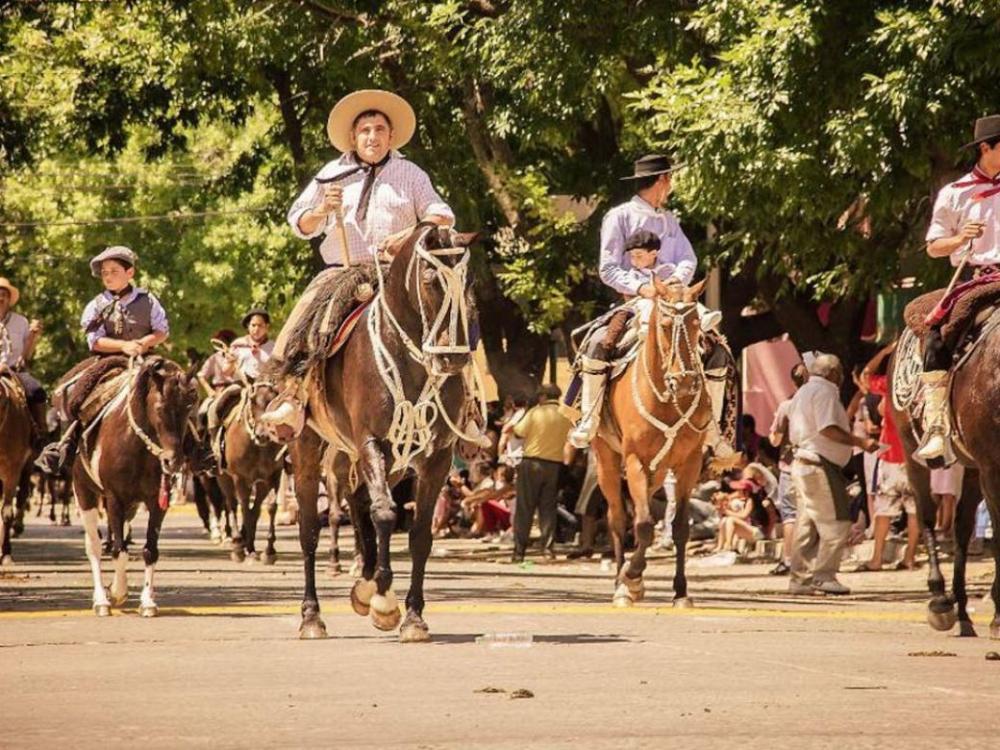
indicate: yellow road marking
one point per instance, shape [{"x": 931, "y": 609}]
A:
[{"x": 490, "y": 608}]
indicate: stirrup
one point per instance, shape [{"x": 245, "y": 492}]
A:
[{"x": 284, "y": 418}]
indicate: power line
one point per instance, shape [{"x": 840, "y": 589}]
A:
[{"x": 130, "y": 219}]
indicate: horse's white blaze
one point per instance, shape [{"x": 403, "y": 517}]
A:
[
  {"x": 92, "y": 542},
  {"x": 148, "y": 599}
]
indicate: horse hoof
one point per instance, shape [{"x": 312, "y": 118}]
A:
[
  {"x": 336, "y": 569},
  {"x": 269, "y": 558},
  {"x": 312, "y": 630},
  {"x": 414, "y": 630},
  {"x": 361, "y": 596},
  {"x": 237, "y": 555},
  {"x": 102, "y": 610},
  {"x": 943, "y": 621},
  {"x": 6, "y": 561},
  {"x": 684, "y": 602},
  {"x": 118, "y": 600},
  {"x": 385, "y": 611},
  {"x": 148, "y": 610},
  {"x": 622, "y": 602},
  {"x": 966, "y": 629}
]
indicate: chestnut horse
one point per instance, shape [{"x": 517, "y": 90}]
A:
[
  {"x": 387, "y": 403},
  {"x": 127, "y": 457},
  {"x": 976, "y": 419},
  {"x": 653, "y": 433},
  {"x": 16, "y": 430},
  {"x": 250, "y": 469}
]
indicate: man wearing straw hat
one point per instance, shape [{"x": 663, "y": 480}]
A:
[
  {"x": 17, "y": 345},
  {"x": 356, "y": 205},
  {"x": 965, "y": 228}
]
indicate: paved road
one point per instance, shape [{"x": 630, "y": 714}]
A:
[{"x": 222, "y": 666}]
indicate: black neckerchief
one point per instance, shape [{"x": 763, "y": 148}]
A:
[{"x": 371, "y": 172}]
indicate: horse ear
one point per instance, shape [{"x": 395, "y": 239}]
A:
[
  {"x": 464, "y": 239},
  {"x": 692, "y": 293}
]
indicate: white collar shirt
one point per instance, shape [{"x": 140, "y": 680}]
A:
[
  {"x": 675, "y": 258},
  {"x": 402, "y": 195},
  {"x": 816, "y": 406},
  {"x": 250, "y": 355},
  {"x": 956, "y": 204},
  {"x": 12, "y": 345}
]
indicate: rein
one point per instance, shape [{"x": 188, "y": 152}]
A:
[
  {"x": 410, "y": 432},
  {"x": 668, "y": 357}
]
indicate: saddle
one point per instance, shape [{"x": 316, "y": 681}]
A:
[
  {"x": 12, "y": 389},
  {"x": 964, "y": 310}
]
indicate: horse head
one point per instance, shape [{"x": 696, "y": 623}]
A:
[
  {"x": 434, "y": 266},
  {"x": 261, "y": 394},
  {"x": 676, "y": 320},
  {"x": 169, "y": 398}
]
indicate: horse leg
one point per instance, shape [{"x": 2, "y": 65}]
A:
[
  {"x": 940, "y": 611},
  {"x": 201, "y": 504},
  {"x": 87, "y": 502},
  {"x": 306, "y": 457},
  {"x": 364, "y": 535},
  {"x": 609, "y": 480},
  {"x": 630, "y": 583},
  {"x": 6, "y": 523},
  {"x": 150, "y": 556},
  {"x": 250, "y": 502},
  {"x": 336, "y": 519},
  {"x": 116, "y": 531},
  {"x": 271, "y": 498},
  {"x": 990, "y": 482},
  {"x": 964, "y": 524},
  {"x": 433, "y": 477},
  {"x": 227, "y": 485},
  {"x": 385, "y": 611},
  {"x": 680, "y": 530}
]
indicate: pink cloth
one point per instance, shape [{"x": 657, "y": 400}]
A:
[
  {"x": 947, "y": 481},
  {"x": 767, "y": 379}
]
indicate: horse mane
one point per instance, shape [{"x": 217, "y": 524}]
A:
[{"x": 150, "y": 367}]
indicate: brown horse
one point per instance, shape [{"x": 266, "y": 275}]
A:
[
  {"x": 386, "y": 404},
  {"x": 975, "y": 403},
  {"x": 659, "y": 412},
  {"x": 250, "y": 468},
  {"x": 128, "y": 456},
  {"x": 16, "y": 431}
]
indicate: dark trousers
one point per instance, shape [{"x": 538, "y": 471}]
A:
[{"x": 537, "y": 489}]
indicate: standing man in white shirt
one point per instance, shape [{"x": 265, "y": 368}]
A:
[
  {"x": 820, "y": 431},
  {"x": 966, "y": 220}
]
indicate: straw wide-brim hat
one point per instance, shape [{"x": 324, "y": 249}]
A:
[
  {"x": 346, "y": 111},
  {"x": 14, "y": 294}
]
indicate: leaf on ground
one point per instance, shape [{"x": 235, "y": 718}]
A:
[
  {"x": 489, "y": 689},
  {"x": 522, "y": 693},
  {"x": 932, "y": 653}
]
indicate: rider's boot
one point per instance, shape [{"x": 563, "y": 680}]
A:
[
  {"x": 936, "y": 445},
  {"x": 55, "y": 457},
  {"x": 594, "y": 374},
  {"x": 715, "y": 384},
  {"x": 285, "y": 416}
]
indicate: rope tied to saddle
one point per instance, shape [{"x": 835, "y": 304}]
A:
[{"x": 671, "y": 378}]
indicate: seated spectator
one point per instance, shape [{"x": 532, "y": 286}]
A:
[
  {"x": 449, "y": 503},
  {"x": 489, "y": 504}
]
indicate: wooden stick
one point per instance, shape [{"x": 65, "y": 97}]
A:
[
  {"x": 961, "y": 267},
  {"x": 342, "y": 231}
]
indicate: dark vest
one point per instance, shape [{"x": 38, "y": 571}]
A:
[{"x": 134, "y": 322}]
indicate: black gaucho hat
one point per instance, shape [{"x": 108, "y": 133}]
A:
[
  {"x": 986, "y": 129},
  {"x": 642, "y": 240},
  {"x": 256, "y": 311},
  {"x": 651, "y": 165}
]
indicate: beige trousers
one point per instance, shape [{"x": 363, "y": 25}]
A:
[{"x": 820, "y": 538}]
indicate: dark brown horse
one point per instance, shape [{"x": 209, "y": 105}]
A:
[
  {"x": 250, "y": 468},
  {"x": 16, "y": 431},
  {"x": 128, "y": 456},
  {"x": 387, "y": 403},
  {"x": 659, "y": 412},
  {"x": 975, "y": 402}
]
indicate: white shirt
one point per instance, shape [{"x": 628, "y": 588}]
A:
[
  {"x": 250, "y": 356},
  {"x": 17, "y": 336},
  {"x": 401, "y": 196},
  {"x": 675, "y": 258},
  {"x": 956, "y": 204},
  {"x": 816, "y": 406}
]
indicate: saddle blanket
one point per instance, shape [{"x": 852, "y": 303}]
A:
[{"x": 954, "y": 313}]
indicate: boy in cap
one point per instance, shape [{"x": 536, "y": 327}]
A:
[
  {"x": 124, "y": 320},
  {"x": 255, "y": 348},
  {"x": 18, "y": 338}
]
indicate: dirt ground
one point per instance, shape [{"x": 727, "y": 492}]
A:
[{"x": 222, "y": 666}]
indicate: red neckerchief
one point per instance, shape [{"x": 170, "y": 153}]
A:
[{"x": 979, "y": 177}]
